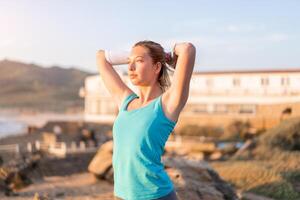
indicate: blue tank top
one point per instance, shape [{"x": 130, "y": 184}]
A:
[{"x": 139, "y": 137}]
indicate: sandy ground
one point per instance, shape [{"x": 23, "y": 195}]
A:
[{"x": 81, "y": 186}]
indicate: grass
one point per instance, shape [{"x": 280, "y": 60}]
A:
[
  {"x": 272, "y": 167},
  {"x": 275, "y": 179}
]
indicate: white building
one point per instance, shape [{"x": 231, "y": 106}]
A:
[{"x": 215, "y": 95}]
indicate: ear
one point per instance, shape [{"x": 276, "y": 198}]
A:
[{"x": 158, "y": 66}]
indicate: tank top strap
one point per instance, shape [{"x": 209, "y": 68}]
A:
[{"x": 127, "y": 99}]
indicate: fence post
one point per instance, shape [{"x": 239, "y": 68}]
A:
[
  {"x": 29, "y": 147},
  {"x": 82, "y": 145},
  {"x": 17, "y": 149},
  {"x": 73, "y": 146},
  {"x": 64, "y": 148},
  {"x": 37, "y": 145}
]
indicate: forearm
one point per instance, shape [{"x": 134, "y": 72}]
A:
[
  {"x": 115, "y": 57},
  {"x": 101, "y": 60},
  {"x": 107, "y": 59}
]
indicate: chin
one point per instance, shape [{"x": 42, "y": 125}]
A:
[{"x": 134, "y": 82}]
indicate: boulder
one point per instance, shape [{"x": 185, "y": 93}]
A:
[
  {"x": 102, "y": 161},
  {"x": 15, "y": 174},
  {"x": 193, "y": 180},
  {"x": 197, "y": 180}
]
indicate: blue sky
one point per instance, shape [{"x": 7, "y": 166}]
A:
[{"x": 228, "y": 35}]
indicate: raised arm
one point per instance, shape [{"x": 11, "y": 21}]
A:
[
  {"x": 111, "y": 79},
  {"x": 179, "y": 90}
]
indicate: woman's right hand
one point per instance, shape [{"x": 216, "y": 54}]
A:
[{"x": 171, "y": 59}]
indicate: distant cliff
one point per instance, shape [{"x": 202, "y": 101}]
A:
[{"x": 32, "y": 87}]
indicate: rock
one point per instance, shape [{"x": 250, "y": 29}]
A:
[
  {"x": 40, "y": 197},
  {"x": 49, "y": 138},
  {"x": 229, "y": 148},
  {"x": 194, "y": 180},
  {"x": 246, "y": 146},
  {"x": 15, "y": 174},
  {"x": 109, "y": 175},
  {"x": 195, "y": 156},
  {"x": 251, "y": 196},
  {"x": 215, "y": 156},
  {"x": 206, "y": 147},
  {"x": 102, "y": 161},
  {"x": 1, "y": 161},
  {"x": 4, "y": 184},
  {"x": 192, "y": 149}
]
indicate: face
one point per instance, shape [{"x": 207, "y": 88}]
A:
[{"x": 141, "y": 69}]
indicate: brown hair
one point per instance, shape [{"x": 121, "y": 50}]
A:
[{"x": 157, "y": 53}]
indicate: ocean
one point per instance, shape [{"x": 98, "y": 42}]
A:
[{"x": 10, "y": 126}]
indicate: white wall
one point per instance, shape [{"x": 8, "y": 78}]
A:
[{"x": 210, "y": 89}]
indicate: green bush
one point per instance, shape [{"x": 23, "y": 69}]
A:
[
  {"x": 277, "y": 179},
  {"x": 285, "y": 136},
  {"x": 237, "y": 130},
  {"x": 195, "y": 130},
  {"x": 277, "y": 190},
  {"x": 272, "y": 167}
]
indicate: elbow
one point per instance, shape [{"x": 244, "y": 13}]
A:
[
  {"x": 190, "y": 51},
  {"x": 100, "y": 54},
  {"x": 100, "y": 58},
  {"x": 191, "y": 48}
]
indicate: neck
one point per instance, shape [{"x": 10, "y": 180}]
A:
[{"x": 148, "y": 93}]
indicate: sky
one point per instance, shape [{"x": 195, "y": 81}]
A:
[{"x": 228, "y": 35}]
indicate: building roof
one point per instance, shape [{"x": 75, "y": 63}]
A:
[
  {"x": 297, "y": 70},
  {"x": 250, "y": 71}
]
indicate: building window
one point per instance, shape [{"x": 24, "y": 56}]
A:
[
  {"x": 236, "y": 82},
  {"x": 200, "y": 108},
  {"x": 247, "y": 109},
  {"x": 90, "y": 106},
  {"x": 264, "y": 81},
  {"x": 209, "y": 82},
  {"x": 285, "y": 81},
  {"x": 94, "y": 106},
  {"x": 99, "y": 106},
  {"x": 220, "y": 108},
  {"x": 195, "y": 108}
]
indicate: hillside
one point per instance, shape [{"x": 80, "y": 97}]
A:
[{"x": 33, "y": 87}]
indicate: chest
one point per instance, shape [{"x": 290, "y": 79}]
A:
[{"x": 135, "y": 127}]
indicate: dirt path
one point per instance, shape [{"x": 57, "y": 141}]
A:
[{"x": 77, "y": 186}]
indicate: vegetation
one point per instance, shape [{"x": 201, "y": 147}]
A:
[
  {"x": 28, "y": 86},
  {"x": 272, "y": 167},
  {"x": 195, "y": 130}
]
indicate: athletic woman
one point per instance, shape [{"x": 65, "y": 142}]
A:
[{"x": 145, "y": 120}]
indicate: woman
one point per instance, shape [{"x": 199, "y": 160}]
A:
[{"x": 145, "y": 120}]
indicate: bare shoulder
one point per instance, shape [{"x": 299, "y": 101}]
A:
[
  {"x": 126, "y": 92},
  {"x": 170, "y": 109}
]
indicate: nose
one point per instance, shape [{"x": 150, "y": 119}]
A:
[{"x": 131, "y": 66}]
